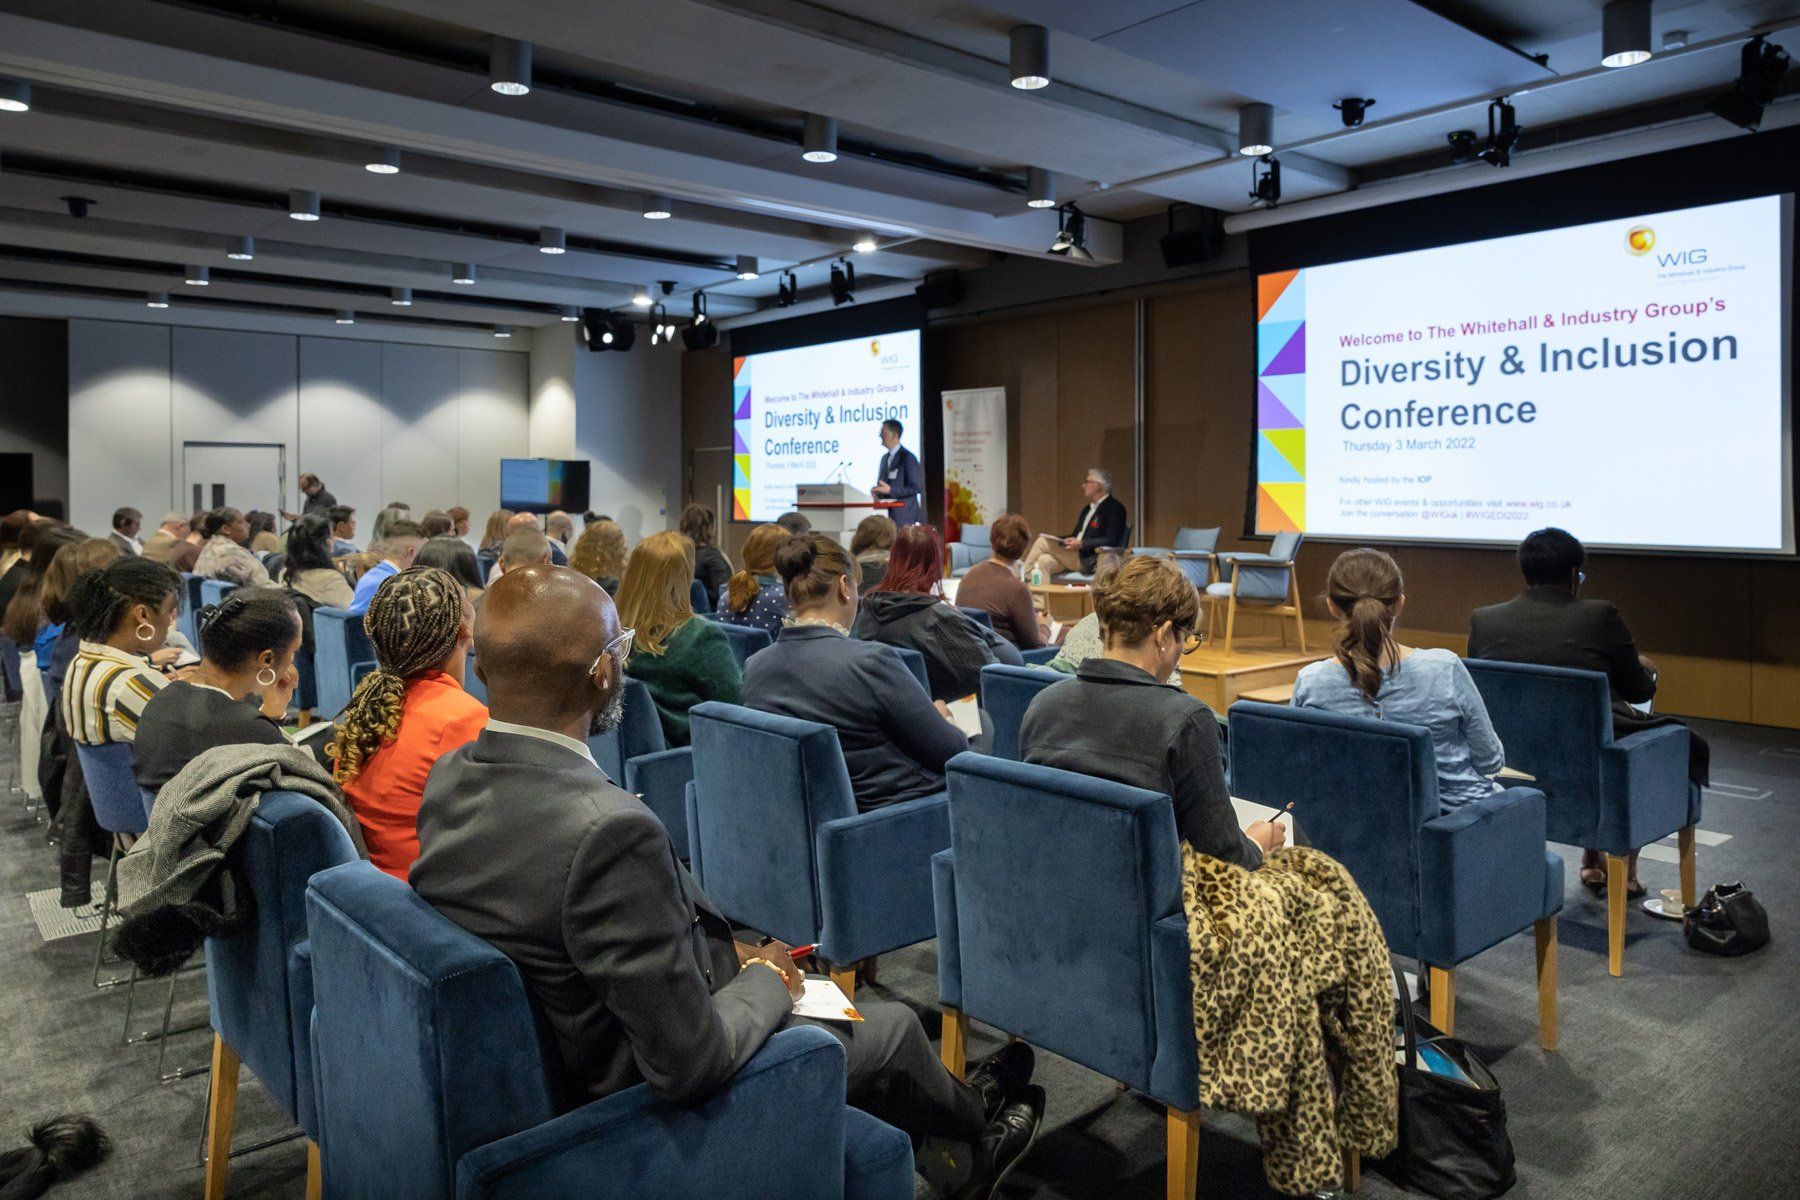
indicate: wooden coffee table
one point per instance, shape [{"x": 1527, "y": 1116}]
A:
[{"x": 1067, "y": 602}]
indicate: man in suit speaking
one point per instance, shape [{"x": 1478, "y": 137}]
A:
[
  {"x": 525, "y": 843},
  {"x": 901, "y": 477},
  {"x": 1101, "y": 523}
]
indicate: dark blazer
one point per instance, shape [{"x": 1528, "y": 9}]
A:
[
  {"x": 895, "y": 741},
  {"x": 955, "y": 647},
  {"x": 1115, "y": 722},
  {"x": 1107, "y": 527},
  {"x": 711, "y": 568},
  {"x": 529, "y": 847},
  {"x": 902, "y": 471},
  {"x": 1547, "y": 626}
]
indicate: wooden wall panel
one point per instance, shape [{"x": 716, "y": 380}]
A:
[{"x": 1199, "y": 364}]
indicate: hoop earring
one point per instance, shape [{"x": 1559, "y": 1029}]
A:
[
  {"x": 145, "y": 631},
  {"x": 269, "y": 682}
]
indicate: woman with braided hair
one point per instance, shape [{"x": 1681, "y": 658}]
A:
[{"x": 407, "y": 713}]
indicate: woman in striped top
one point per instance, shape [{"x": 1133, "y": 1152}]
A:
[{"x": 123, "y": 613}]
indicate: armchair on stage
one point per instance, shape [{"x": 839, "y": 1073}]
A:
[
  {"x": 1614, "y": 795},
  {"x": 437, "y": 1079},
  {"x": 1266, "y": 581},
  {"x": 1048, "y": 868},
  {"x": 1445, "y": 886},
  {"x": 971, "y": 547}
]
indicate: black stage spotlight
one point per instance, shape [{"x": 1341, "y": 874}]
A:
[
  {"x": 1759, "y": 79},
  {"x": 1352, "y": 108},
  {"x": 1266, "y": 189},
  {"x": 1462, "y": 146},
  {"x": 1503, "y": 134},
  {"x": 700, "y": 337},
  {"x": 787, "y": 292},
  {"x": 1071, "y": 234},
  {"x": 602, "y": 330},
  {"x": 843, "y": 281}
]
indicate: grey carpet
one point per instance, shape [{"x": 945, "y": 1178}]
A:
[{"x": 1677, "y": 1081}]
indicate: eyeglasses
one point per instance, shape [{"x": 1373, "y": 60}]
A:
[
  {"x": 623, "y": 641},
  {"x": 1191, "y": 640}
]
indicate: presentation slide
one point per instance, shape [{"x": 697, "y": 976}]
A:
[
  {"x": 813, "y": 414},
  {"x": 1626, "y": 380}
]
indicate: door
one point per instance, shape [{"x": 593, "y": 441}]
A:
[
  {"x": 244, "y": 475},
  {"x": 709, "y": 483}
]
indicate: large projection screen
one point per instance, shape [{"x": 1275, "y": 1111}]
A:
[
  {"x": 813, "y": 414},
  {"x": 1627, "y": 380}
]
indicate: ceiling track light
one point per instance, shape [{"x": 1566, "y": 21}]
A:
[
  {"x": 15, "y": 95},
  {"x": 1040, "y": 188},
  {"x": 400, "y": 297},
  {"x": 303, "y": 205},
  {"x": 242, "y": 249},
  {"x": 196, "y": 276},
  {"x": 1071, "y": 234},
  {"x": 345, "y": 317},
  {"x": 818, "y": 139},
  {"x": 640, "y": 296},
  {"x": 865, "y": 244},
  {"x": 1256, "y": 130},
  {"x": 658, "y": 208},
  {"x": 787, "y": 292},
  {"x": 700, "y": 313},
  {"x": 1265, "y": 182},
  {"x": 385, "y": 161},
  {"x": 658, "y": 321},
  {"x": 747, "y": 267},
  {"x": 509, "y": 66},
  {"x": 843, "y": 282},
  {"x": 571, "y": 313},
  {"x": 1353, "y": 109},
  {"x": 156, "y": 300},
  {"x": 463, "y": 273},
  {"x": 552, "y": 240},
  {"x": 1761, "y": 66},
  {"x": 503, "y": 331},
  {"x": 1503, "y": 134},
  {"x": 1029, "y": 57},
  {"x": 1625, "y": 33}
]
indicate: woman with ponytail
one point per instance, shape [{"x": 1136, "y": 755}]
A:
[
  {"x": 754, "y": 597},
  {"x": 1373, "y": 675},
  {"x": 408, "y": 712}
]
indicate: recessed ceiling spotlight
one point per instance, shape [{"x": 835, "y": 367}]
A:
[
  {"x": 818, "y": 140},
  {"x": 552, "y": 240},
  {"x": 658, "y": 209},
  {"x": 1040, "y": 188},
  {"x": 156, "y": 300},
  {"x": 242, "y": 249},
  {"x": 197, "y": 276},
  {"x": 463, "y": 273},
  {"x": 385, "y": 161},
  {"x": 1256, "y": 130},
  {"x": 15, "y": 95},
  {"x": 1030, "y": 57},
  {"x": 640, "y": 296},
  {"x": 503, "y": 331},
  {"x": 400, "y": 297},
  {"x": 865, "y": 244},
  {"x": 303, "y": 205},
  {"x": 747, "y": 267},
  {"x": 345, "y": 317},
  {"x": 509, "y": 66},
  {"x": 571, "y": 313},
  {"x": 1625, "y": 33}
]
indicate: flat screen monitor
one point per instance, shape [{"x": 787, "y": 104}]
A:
[{"x": 540, "y": 485}]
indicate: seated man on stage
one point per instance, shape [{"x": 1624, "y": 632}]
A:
[
  {"x": 1102, "y": 523},
  {"x": 525, "y": 843}
]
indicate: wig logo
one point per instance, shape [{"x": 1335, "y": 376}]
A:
[
  {"x": 1640, "y": 240},
  {"x": 875, "y": 347}
]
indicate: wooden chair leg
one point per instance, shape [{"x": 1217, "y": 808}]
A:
[
  {"x": 1685, "y": 840},
  {"x": 1546, "y": 979},
  {"x": 1184, "y": 1154},
  {"x": 1442, "y": 984},
  {"x": 954, "y": 1051},
  {"x": 845, "y": 978},
  {"x": 1299, "y": 613},
  {"x": 315, "y": 1187},
  {"x": 221, "y": 1110},
  {"x": 1352, "y": 1170},
  {"x": 1615, "y": 914},
  {"x": 1230, "y": 617}
]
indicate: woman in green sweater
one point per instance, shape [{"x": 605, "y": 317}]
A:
[{"x": 681, "y": 659}]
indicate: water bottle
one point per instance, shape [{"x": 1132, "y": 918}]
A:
[{"x": 1037, "y": 577}]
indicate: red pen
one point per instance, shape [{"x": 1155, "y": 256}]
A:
[{"x": 800, "y": 952}]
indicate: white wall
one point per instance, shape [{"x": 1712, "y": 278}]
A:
[{"x": 378, "y": 421}]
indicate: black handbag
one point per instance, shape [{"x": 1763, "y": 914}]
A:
[
  {"x": 1453, "y": 1141},
  {"x": 1728, "y": 921}
]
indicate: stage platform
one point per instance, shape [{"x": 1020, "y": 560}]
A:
[{"x": 1254, "y": 665}]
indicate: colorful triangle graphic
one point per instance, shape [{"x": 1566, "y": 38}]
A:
[
  {"x": 1291, "y": 304},
  {"x": 1271, "y": 413},
  {"x": 1291, "y": 360},
  {"x": 1271, "y": 338},
  {"x": 1269, "y": 288},
  {"x": 1281, "y": 508},
  {"x": 1291, "y": 444},
  {"x": 1272, "y": 466}
]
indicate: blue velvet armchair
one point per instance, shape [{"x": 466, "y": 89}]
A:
[
  {"x": 1194, "y": 551},
  {"x": 189, "y": 620},
  {"x": 698, "y": 600},
  {"x": 1614, "y": 796},
  {"x": 635, "y": 756},
  {"x": 777, "y": 842},
  {"x": 259, "y": 981},
  {"x": 212, "y": 591},
  {"x": 1006, "y": 692},
  {"x": 1445, "y": 886},
  {"x": 973, "y": 547},
  {"x": 339, "y": 646},
  {"x": 1046, "y": 869},
  {"x": 439, "y": 1080},
  {"x": 745, "y": 640},
  {"x": 1269, "y": 582},
  {"x": 915, "y": 662}
]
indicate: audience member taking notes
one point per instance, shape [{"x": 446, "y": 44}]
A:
[
  {"x": 895, "y": 740},
  {"x": 1373, "y": 675},
  {"x": 525, "y": 843},
  {"x": 682, "y": 659}
]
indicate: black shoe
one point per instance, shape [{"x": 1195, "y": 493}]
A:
[
  {"x": 1003, "y": 1076},
  {"x": 1004, "y": 1143}
]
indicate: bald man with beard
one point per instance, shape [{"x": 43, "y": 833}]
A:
[{"x": 524, "y": 842}]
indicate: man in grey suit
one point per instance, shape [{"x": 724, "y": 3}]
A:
[{"x": 525, "y": 843}]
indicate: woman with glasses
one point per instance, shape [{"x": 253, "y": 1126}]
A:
[
  {"x": 1117, "y": 720},
  {"x": 407, "y": 713}
]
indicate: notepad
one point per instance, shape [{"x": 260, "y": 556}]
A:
[
  {"x": 965, "y": 714},
  {"x": 823, "y": 1000},
  {"x": 1509, "y": 773}
]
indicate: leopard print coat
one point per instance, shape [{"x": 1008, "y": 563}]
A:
[{"x": 1293, "y": 1010}]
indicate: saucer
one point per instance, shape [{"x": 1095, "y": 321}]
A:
[{"x": 1655, "y": 907}]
